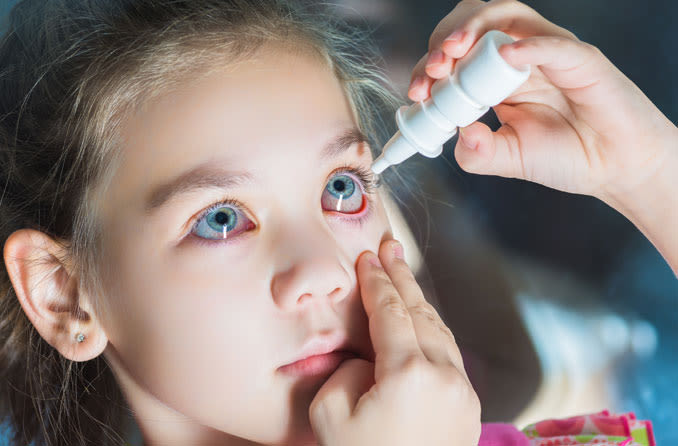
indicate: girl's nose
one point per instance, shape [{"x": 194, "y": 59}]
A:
[{"x": 312, "y": 269}]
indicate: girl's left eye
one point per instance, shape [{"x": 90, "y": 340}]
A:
[{"x": 343, "y": 194}]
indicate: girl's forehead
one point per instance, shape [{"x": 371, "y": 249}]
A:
[
  {"x": 273, "y": 97},
  {"x": 276, "y": 102}
]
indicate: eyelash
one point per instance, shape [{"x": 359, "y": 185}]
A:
[{"x": 368, "y": 180}]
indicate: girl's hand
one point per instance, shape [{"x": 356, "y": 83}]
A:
[
  {"x": 417, "y": 391},
  {"x": 578, "y": 124}
]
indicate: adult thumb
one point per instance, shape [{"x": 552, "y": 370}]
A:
[
  {"x": 482, "y": 151},
  {"x": 336, "y": 400}
]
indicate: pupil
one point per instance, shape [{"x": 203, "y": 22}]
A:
[
  {"x": 221, "y": 218},
  {"x": 339, "y": 185}
]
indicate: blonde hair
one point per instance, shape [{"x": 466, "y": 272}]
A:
[{"x": 69, "y": 72}]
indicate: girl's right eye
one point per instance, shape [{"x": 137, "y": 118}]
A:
[{"x": 222, "y": 221}]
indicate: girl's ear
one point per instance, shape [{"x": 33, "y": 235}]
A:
[{"x": 50, "y": 296}]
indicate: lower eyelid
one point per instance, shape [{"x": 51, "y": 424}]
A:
[
  {"x": 240, "y": 237},
  {"x": 352, "y": 218}
]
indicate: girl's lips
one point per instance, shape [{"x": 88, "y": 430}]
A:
[{"x": 317, "y": 365}]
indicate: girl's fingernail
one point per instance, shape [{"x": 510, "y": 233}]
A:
[
  {"x": 397, "y": 250},
  {"x": 455, "y": 36},
  {"x": 374, "y": 260},
  {"x": 435, "y": 58}
]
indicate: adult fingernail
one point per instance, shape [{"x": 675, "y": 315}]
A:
[
  {"x": 455, "y": 36},
  {"x": 436, "y": 57},
  {"x": 465, "y": 141},
  {"x": 374, "y": 260},
  {"x": 416, "y": 83},
  {"x": 397, "y": 249}
]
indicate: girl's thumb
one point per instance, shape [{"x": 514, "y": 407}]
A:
[{"x": 335, "y": 401}]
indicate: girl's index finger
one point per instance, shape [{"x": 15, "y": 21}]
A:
[{"x": 391, "y": 328}]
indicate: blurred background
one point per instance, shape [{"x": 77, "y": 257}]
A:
[{"x": 560, "y": 305}]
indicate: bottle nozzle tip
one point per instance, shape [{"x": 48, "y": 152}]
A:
[{"x": 379, "y": 165}]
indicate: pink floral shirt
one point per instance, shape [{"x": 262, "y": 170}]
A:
[{"x": 598, "y": 429}]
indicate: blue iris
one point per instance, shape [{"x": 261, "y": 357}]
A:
[
  {"x": 220, "y": 220},
  {"x": 342, "y": 186},
  {"x": 222, "y": 217}
]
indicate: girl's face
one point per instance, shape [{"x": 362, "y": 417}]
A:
[{"x": 198, "y": 325}]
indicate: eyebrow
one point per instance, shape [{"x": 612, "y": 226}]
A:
[{"x": 207, "y": 176}]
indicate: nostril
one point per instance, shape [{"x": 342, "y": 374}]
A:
[{"x": 304, "y": 297}]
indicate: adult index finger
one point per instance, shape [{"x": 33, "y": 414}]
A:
[
  {"x": 513, "y": 17},
  {"x": 391, "y": 328}
]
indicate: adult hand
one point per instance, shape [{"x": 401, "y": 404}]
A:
[{"x": 578, "y": 124}]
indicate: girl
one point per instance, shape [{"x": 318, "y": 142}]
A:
[
  {"x": 188, "y": 213},
  {"x": 205, "y": 169}
]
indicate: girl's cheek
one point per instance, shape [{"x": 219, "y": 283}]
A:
[{"x": 356, "y": 237}]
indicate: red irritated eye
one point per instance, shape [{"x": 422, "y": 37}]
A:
[{"x": 343, "y": 194}]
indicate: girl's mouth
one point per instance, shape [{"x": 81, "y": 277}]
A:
[{"x": 317, "y": 365}]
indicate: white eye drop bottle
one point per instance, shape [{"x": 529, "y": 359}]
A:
[{"x": 480, "y": 80}]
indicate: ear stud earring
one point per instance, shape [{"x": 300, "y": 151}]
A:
[{"x": 80, "y": 337}]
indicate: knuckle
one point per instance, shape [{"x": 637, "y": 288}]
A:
[
  {"x": 562, "y": 43},
  {"x": 493, "y": 3},
  {"x": 456, "y": 384},
  {"x": 415, "y": 370},
  {"x": 594, "y": 50},
  {"x": 394, "y": 305},
  {"x": 519, "y": 5},
  {"x": 445, "y": 330},
  {"x": 455, "y": 379},
  {"x": 509, "y": 7},
  {"x": 514, "y": 5},
  {"x": 472, "y": 2},
  {"x": 591, "y": 52},
  {"x": 569, "y": 34},
  {"x": 426, "y": 310},
  {"x": 380, "y": 278},
  {"x": 319, "y": 412}
]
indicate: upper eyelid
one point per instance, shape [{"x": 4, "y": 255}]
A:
[
  {"x": 368, "y": 185},
  {"x": 351, "y": 173},
  {"x": 223, "y": 203}
]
